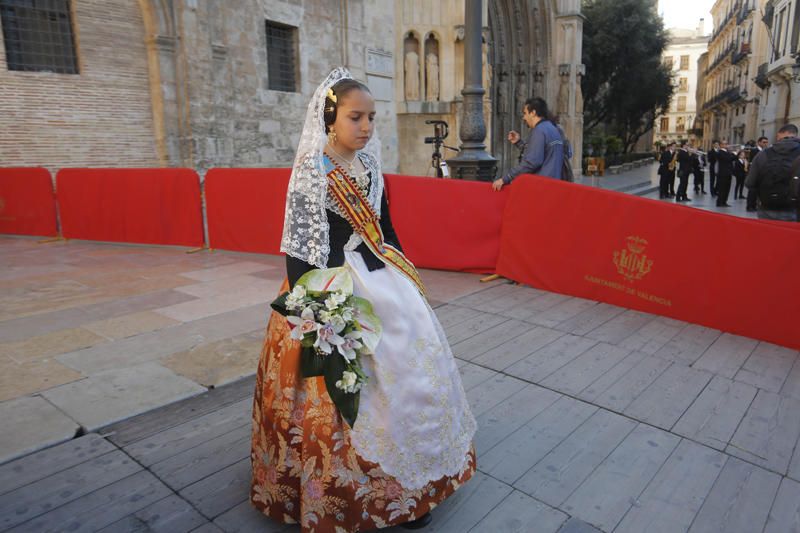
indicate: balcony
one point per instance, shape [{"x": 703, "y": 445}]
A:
[
  {"x": 741, "y": 53},
  {"x": 761, "y": 79},
  {"x": 743, "y": 14},
  {"x": 722, "y": 57},
  {"x": 728, "y": 96}
]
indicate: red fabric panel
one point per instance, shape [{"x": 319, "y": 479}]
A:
[
  {"x": 447, "y": 224},
  {"x": 244, "y": 208},
  {"x": 27, "y": 202},
  {"x": 142, "y": 205},
  {"x": 706, "y": 268}
]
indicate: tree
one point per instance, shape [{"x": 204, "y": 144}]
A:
[{"x": 626, "y": 85}]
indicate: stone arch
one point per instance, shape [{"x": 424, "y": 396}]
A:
[{"x": 520, "y": 33}]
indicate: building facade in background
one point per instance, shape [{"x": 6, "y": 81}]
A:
[
  {"x": 751, "y": 88},
  {"x": 681, "y": 55},
  {"x": 210, "y": 83}
]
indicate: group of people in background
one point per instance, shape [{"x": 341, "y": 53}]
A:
[{"x": 771, "y": 174}]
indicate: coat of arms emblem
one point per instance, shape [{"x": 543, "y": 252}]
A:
[{"x": 632, "y": 262}]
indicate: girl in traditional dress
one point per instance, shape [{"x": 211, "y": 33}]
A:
[{"x": 411, "y": 445}]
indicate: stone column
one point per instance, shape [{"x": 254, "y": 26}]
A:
[{"x": 473, "y": 162}]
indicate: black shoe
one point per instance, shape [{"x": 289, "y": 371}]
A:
[
  {"x": 723, "y": 205},
  {"x": 687, "y": 199},
  {"x": 419, "y": 523}
]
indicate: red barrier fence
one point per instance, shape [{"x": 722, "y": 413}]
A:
[
  {"x": 244, "y": 208},
  {"x": 447, "y": 224},
  {"x": 441, "y": 223},
  {"x": 720, "y": 271},
  {"x": 147, "y": 205},
  {"x": 27, "y": 202}
]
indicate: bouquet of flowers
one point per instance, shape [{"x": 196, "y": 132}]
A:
[{"x": 335, "y": 329}]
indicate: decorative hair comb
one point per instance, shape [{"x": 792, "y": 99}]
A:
[{"x": 332, "y": 95}]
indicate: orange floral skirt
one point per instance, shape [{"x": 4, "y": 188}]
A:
[{"x": 304, "y": 469}]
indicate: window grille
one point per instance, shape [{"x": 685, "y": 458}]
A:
[
  {"x": 38, "y": 35},
  {"x": 281, "y": 57}
]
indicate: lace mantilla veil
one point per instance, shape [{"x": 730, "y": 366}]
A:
[{"x": 305, "y": 224}]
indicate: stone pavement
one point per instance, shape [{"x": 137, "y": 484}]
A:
[{"x": 591, "y": 417}]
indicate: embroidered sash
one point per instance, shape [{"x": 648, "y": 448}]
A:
[{"x": 365, "y": 222}]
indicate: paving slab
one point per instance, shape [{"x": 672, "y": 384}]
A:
[
  {"x": 767, "y": 367},
  {"x": 170, "y": 515},
  {"x": 554, "y": 478},
  {"x": 673, "y": 498},
  {"x": 217, "y": 363},
  {"x": 113, "y": 395},
  {"x": 20, "y": 379},
  {"x": 689, "y": 344},
  {"x": 669, "y": 396},
  {"x": 31, "y": 423},
  {"x": 714, "y": 416},
  {"x": 579, "y": 373},
  {"x": 520, "y": 451},
  {"x": 503, "y": 356},
  {"x": 22, "y": 328},
  {"x": 740, "y": 500},
  {"x": 785, "y": 513},
  {"x": 726, "y": 355},
  {"x": 621, "y": 385},
  {"x": 620, "y": 327},
  {"x": 129, "y": 325},
  {"x": 519, "y": 513},
  {"x": 591, "y": 319},
  {"x": 156, "y": 344},
  {"x": 609, "y": 492},
  {"x": 543, "y": 362},
  {"x": 768, "y": 434},
  {"x": 46, "y": 463}
]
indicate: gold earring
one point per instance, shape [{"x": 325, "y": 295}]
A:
[{"x": 332, "y": 137}]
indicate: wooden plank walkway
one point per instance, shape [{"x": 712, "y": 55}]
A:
[{"x": 591, "y": 418}]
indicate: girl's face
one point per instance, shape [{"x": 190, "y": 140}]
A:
[{"x": 355, "y": 116}]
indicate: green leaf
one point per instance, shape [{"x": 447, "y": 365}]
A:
[
  {"x": 346, "y": 403},
  {"x": 279, "y": 304},
  {"x": 327, "y": 279},
  {"x": 371, "y": 327},
  {"x": 311, "y": 363}
]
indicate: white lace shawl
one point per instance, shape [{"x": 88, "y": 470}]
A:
[{"x": 305, "y": 223}]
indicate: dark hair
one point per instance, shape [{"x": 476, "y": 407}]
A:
[
  {"x": 763, "y": 139},
  {"x": 540, "y": 106},
  {"x": 715, "y": 141},
  {"x": 791, "y": 129},
  {"x": 340, "y": 89}
]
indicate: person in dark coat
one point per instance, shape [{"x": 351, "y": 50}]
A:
[
  {"x": 740, "y": 167},
  {"x": 725, "y": 161},
  {"x": 712, "y": 167},
  {"x": 685, "y": 167},
  {"x": 666, "y": 171},
  {"x": 698, "y": 169}
]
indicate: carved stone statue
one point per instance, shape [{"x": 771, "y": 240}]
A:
[
  {"x": 578, "y": 95},
  {"x": 432, "y": 77},
  {"x": 412, "y": 75}
]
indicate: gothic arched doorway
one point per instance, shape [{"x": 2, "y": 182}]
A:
[{"x": 519, "y": 52}]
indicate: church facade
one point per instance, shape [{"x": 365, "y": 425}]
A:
[{"x": 209, "y": 83}]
